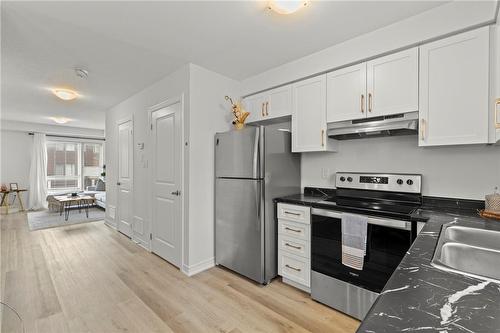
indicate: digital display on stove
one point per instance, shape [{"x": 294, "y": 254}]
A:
[{"x": 373, "y": 180}]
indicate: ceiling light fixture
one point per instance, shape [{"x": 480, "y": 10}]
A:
[
  {"x": 60, "y": 120},
  {"x": 65, "y": 94},
  {"x": 287, "y": 6}
]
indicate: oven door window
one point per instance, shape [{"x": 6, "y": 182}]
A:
[{"x": 385, "y": 247}]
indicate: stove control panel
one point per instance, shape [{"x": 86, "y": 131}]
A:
[{"x": 408, "y": 183}]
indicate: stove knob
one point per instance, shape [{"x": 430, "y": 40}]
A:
[
  {"x": 349, "y": 179},
  {"x": 409, "y": 182},
  {"x": 342, "y": 179},
  {"x": 399, "y": 181}
]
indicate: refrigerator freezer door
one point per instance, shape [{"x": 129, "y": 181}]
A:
[
  {"x": 237, "y": 153},
  {"x": 239, "y": 230},
  {"x": 282, "y": 177}
]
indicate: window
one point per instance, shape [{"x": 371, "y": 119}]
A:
[{"x": 73, "y": 165}]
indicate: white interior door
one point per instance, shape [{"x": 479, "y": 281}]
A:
[
  {"x": 166, "y": 229},
  {"x": 125, "y": 176}
]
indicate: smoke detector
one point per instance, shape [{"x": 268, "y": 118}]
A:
[{"x": 81, "y": 73}]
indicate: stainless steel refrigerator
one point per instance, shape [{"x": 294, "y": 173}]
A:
[{"x": 252, "y": 167}]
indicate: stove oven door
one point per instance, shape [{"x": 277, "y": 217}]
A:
[{"x": 387, "y": 243}]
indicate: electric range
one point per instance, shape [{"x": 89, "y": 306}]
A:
[{"x": 388, "y": 201}]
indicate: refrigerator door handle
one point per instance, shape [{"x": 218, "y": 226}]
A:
[
  {"x": 258, "y": 194},
  {"x": 256, "y": 154}
]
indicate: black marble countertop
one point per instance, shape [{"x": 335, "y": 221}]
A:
[{"x": 421, "y": 298}]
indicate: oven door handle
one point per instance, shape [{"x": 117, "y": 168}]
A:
[{"x": 396, "y": 224}]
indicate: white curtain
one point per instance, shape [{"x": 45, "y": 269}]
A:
[{"x": 38, "y": 173}]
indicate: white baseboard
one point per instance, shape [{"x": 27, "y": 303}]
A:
[
  {"x": 191, "y": 270},
  {"x": 145, "y": 245},
  {"x": 110, "y": 223}
]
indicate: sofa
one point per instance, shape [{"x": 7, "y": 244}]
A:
[{"x": 98, "y": 192}]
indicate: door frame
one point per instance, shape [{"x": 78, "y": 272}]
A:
[
  {"x": 184, "y": 143},
  {"x": 117, "y": 209}
]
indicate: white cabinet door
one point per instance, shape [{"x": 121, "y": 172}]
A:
[
  {"x": 346, "y": 93},
  {"x": 392, "y": 83},
  {"x": 255, "y": 105},
  {"x": 454, "y": 81},
  {"x": 495, "y": 83},
  {"x": 278, "y": 102},
  {"x": 309, "y": 115}
]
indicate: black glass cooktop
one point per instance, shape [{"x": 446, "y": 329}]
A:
[{"x": 392, "y": 204}]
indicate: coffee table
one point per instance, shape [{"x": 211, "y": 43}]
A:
[{"x": 68, "y": 201}]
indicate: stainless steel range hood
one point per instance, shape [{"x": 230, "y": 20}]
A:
[{"x": 397, "y": 124}]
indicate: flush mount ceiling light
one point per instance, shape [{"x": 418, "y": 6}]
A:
[
  {"x": 60, "y": 120},
  {"x": 287, "y": 6},
  {"x": 65, "y": 94}
]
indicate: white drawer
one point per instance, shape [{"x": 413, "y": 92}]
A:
[
  {"x": 294, "y": 213},
  {"x": 294, "y": 268},
  {"x": 294, "y": 229},
  {"x": 299, "y": 247}
]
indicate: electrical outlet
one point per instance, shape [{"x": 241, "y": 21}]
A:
[{"x": 325, "y": 173}]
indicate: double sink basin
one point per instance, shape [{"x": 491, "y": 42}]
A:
[{"x": 469, "y": 251}]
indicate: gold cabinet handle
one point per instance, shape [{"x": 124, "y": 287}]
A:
[
  {"x": 422, "y": 129},
  {"x": 293, "y": 246},
  {"x": 362, "y": 103},
  {"x": 322, "y": 138},
  {"x": 294, "y": 268},
  {"x": 294, "y": 230},
  {"x": 497, "y": 111},
  {"x": 267, "y": 108},
  {"x": 262, "y": 110},
  {"x": 369, "y": 102}
]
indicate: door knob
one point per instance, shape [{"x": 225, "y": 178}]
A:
[
  {"x": 176, "y": 193},
  {"x": 118, "y": 183}
]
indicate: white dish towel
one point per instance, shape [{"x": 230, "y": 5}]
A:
[{"x": 354, "y": 229}]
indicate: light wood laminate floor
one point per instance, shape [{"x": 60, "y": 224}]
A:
[{"x": 90, "y": 278}]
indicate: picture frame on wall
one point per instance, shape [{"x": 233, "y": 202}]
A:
[{"x": 14, "y": 187}]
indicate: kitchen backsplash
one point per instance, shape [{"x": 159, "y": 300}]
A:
[{"x": 467, "y": 172}]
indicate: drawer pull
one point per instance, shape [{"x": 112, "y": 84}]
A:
[
  {"x": 290, "y": 213},
  {"x": 293, "y": 246},
  {"x": 294, "y": 230},
  {"x": 295, "y": 269}
]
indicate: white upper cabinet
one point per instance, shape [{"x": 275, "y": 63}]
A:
[
  {"x": 255, "y": 105},
  {"x": 454, "y": 86},
  {"x": 309, "y": 116},
  {"x": 380, "y": 87},
  {"x": 270, "y": 104},
  {"x": 495, "y": 83},
  {"x": 392, "y": 83},
  {"x": 279, "y": 102},
  {"x": 346, "y": 93}
]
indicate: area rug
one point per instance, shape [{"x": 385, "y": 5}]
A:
[{"x": 46, "y": 219}]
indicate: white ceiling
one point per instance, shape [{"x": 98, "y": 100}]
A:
[{"x": 128, "y": 45}]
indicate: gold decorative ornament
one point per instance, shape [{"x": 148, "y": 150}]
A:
[{"x": 240, "y": 115}]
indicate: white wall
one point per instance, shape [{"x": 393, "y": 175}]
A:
[
  {"x": 449, "y": 18},
  {"x": 137, "y": 106},
  {"x": 15, "y": 159},
  {"x": 209, "y": 113},
  {"x": 16, "y": 146},
  {"x": 22, "y": 126},
  {"x": 467, "y": 172},
  {"x": 205, "y": 112}
]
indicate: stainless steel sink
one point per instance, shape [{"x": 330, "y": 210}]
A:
[
  {"x": 473, "y": 236},
  {"x": 469, "y": 251}
]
